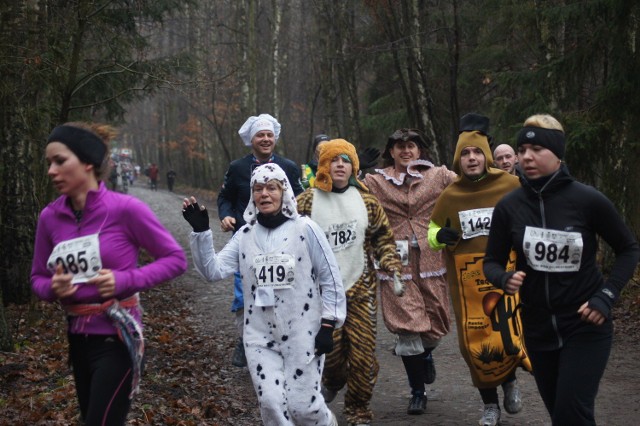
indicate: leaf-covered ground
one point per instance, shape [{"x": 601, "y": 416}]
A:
[{"x": 186, "y": 382}]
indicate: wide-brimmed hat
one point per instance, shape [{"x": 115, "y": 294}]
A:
[{"x": 414, "y": 135}]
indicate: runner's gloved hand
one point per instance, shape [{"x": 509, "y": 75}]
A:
[
  {"x": 368, "y": 157},
  {"x": 196, "y": 215},
  {"x": 324, "y": 338},
  {"x": 447, "y": 235},
  {"x": 398, "y": 284}
]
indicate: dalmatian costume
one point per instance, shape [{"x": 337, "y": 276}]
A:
[{"x": 291, "y": 281}]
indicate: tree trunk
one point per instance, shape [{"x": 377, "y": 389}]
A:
[
  {"x": 246, "y": 40},
  {"x": 24, "y": 120}
]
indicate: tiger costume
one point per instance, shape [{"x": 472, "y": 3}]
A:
[{"x": 358, "y": 231}]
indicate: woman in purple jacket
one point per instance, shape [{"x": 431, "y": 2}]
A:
[{"x": 86, "y": 259}]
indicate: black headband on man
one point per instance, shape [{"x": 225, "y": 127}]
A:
[
  {"x": 87, "y": 146},
  {"x": 551, "y": 139}
]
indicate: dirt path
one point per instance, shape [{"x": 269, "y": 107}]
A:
[{"x": 452, "y": 399}]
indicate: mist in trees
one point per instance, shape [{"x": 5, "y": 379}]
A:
[{"x": 181, "y": 77}]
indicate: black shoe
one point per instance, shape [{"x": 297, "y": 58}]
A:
[
  {"x": 238, "y": 359},
  {"x": 328, "y": 394},
  {"x": 429, "y": 370},
  {"x": 418, "y": 403}
]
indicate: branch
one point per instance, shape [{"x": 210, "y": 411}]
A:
[{"x": 106, "y": 100}]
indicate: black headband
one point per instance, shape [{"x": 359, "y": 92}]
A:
[
  {"x": 551, "y": 139},
  {"x": 87, "y": 146}
]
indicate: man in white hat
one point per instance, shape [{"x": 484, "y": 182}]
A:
[{"x": 261, "y": 134}]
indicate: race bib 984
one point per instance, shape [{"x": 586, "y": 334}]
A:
[
  {"x": 79, "y": 256},
  {"x": 550, "y": 250}
]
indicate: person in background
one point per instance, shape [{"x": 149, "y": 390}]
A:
[
  {"x": 171, "y": 179},
  {"x": 505, "y": 158},
  {"x": 295, "y": 298},
  {"x": 309, "y": 170},
  {"x": 368, "y": 159},
  {"x": 261, "y": 133},
  {"x": 487, "y": 320},
  {"x": 554, "y": 224},
  {"x": 113, "y": 175},
  {"x": 86, "y": 259},
  {"x": 407, "y": 188},
  {"x": 357, "y": 230},
  {"x": 136, "y": 173},
  {"x": 153, "y": 176}
]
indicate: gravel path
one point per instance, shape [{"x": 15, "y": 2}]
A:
[{"x": 452, "y": 398}]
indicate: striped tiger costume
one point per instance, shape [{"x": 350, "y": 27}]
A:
[{"x": 353, "y": 361}]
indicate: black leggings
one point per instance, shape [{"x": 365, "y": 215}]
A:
[
  {"x": 568, "y": 378},
  {"x": 102, "y": 370},
  {"x": 490, "y": 395}
]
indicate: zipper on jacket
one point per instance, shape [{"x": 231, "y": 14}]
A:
[{"x": 554, "y": 321}]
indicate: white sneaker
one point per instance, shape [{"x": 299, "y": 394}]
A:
[
  {"x": 491, "y": 416},
  {"x": 512, "y": 402},
  {"x": 333, "y": 421}
]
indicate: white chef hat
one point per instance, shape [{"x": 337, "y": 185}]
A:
[
  {"x": 263, "y": 174},
  {"x": 255, "y": 124}
]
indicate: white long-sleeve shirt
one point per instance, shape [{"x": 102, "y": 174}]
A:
[{"x": 216, "y": 266}]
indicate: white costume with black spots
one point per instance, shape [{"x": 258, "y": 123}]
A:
[{"x": 291, "y": 282}]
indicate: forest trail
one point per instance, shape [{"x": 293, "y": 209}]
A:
[{"x": 452, "y": 398}]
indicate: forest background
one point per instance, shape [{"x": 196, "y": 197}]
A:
[{"x": 180, "y": 77}]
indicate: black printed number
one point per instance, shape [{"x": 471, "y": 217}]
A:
[
  {"x": 480, "y": 223},
  {"x": 551, "y": 252},
  {"x": 74, "y": 263},
  {"x": 267, "y": 273},
  {"x": 341, "y": 237}
]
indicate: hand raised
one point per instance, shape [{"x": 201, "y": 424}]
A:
[{"x": 196, "y": 215}]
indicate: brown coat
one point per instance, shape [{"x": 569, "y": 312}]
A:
[{"x": 409, "y": 203}]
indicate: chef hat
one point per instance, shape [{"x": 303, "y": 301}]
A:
[{"x": 255, "y": 124}]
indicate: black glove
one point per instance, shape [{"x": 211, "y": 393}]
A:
[
  {"x": 368, "y": 158},
  {"x": 197, "y": 217},
  {"x": 324, "y": 338},
  {"x": 447, "y": 235}
]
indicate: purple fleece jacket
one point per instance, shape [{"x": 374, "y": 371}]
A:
[{"x": 125, "y": 224}]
